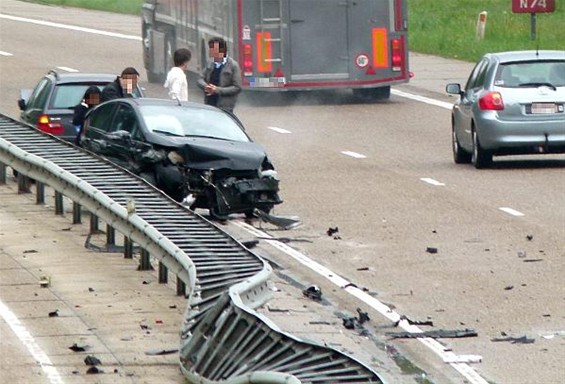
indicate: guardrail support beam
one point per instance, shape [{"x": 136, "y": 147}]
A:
[
  {"x": 181, "y": 287},
  {"x": 94, "y": 224},
  {"x": 110, "y": 235},
  {"x": 128, "y": 248},
  {"x": 59, "y": 203},
  {"x": 163, "y": 273},
  {"x": 145, "y": 261},
  {"x": 23, "y": 183},
  {"x": 39, "y": 193},
  {"x": 2, "y": 173},
  {"x": 76, "y": 213}
]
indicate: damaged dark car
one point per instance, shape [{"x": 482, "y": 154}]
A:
[{"x": 198, "y": 155}]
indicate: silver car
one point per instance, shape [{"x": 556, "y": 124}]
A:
[{"x": 513, "y": 103}]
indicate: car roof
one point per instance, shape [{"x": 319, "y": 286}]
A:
[
  {"x": 148, "y": 101},
  {"x": 509, "y": 56},
  {"x": 81, "y": 77}
]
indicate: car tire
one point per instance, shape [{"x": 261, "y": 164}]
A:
[
  {"x": 460, "y": 156},
  {"x": 480, "y": 158}
]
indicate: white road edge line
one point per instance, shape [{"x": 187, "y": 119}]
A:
[
  {"x": 72, "y": 27},
  {"x": 463, "y": 368},
  {"x": 29, "y": 342},
  {"x": 279, "y": 130},
  {"x": 354, "y": 154},
  {"x": 511, "y": 211},
  {"x": 422, "y": 99},
  {"x": 432, "y": 181},
  {"x": 68, "y": 69},
  {"x": 2, "y": 53}
]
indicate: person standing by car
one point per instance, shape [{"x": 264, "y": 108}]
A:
[
  {"x": 123, "y": 86},
  {"x": 176, "y": 82},
  {"x": 221, "y": 79},
  {"x": 90, "y": 100}
]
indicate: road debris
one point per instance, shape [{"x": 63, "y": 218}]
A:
[
  {"x": 363, "y": 316},
  {"x": 413, "y": 322},
  {"x": 530, "y": 237},
  {"x": 55, "y": 313},
  {"x": 509, "y": 287},
  {"x": 514, "y": 340},
  {"x": 79, "y": 348},
  {"x": 44, "y": 281},
  {"x": 437, "y": 334},
  {"x": 92, "y": 360},
  {"x": 313, "y": 292},
  {"x": 531, "y": 260},
  {"x": 522, "y": 254},
  {"x": 159, "y": 352},
  {"x": 431, "y": 250},
  {"x": 250, "y": 243},
  {"x": 93, "y": 371},
  {"x": 331, "y": 231}
]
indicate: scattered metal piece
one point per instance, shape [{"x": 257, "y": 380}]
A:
[
  {"x": 92, "y": 360},
  {"x": 319, "y": 322},
  {"x": 280, "y": 221},
  {"x": 172, "y": 306},
  {"x": 531, "y": 260},
  {"x": 415, "y": 322},
  {"x": 143, "y": 326},
  {"x": 522, "y": 254},
  {"x": 66, "y": 229},
  {"x": 158, "y": 352},
  {"x": 363, "y": 316},
  {"x": 349, "y": 323},
  {"x": 90, "y": 289},
  {"x": 44, "y": 281},
  {"x": 530, "y": 237},
  {"x": 363, "y": 269},
  {"x": 313, "y": 292},
  {"x": 93, "y": 371},
  {"x": 55, "y": 313},
  {"x": 30, "y": 251},
  {"x": 79, "y": 348},
  {"x": 331, "y": 231},
  {"x": 514, "y": 340},
  {"x": 271, "y": 309},
  {"x": 431, "y": 250},
  {"x": 440, "y": 333}
]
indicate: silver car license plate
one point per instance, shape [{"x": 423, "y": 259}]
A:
[{"x": 539, "y": 108}]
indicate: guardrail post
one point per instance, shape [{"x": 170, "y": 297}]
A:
[
  {"x": 40, "y": 193},
  {"x": 59, "y": 203},
  {"x": 2, "y": 173},
  {"x": 23, "y": 183},
  {"x": 181, "y": 287},
  {"x": 110, "y": 235},
  {"x": 144, "y": 261},
  {"x": 94, "y": 223},
  {"x": 128, "y": 248},
  {"x": 163, "y": 273},
  {"x": 76, "y": 213}
]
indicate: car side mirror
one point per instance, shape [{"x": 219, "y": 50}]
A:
[
  {"x": 453, "y": 89},
  {"x": 22, "y": 104}
]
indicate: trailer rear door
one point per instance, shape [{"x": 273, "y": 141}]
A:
[{"x": 318, "y": 33}]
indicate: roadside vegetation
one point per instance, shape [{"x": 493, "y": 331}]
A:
[{"x": 438, "y": 27}]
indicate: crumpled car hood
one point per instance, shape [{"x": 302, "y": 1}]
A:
[{"x": 206, "y": 153}]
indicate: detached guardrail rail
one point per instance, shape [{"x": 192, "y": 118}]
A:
[{"x": 223, "y": 340}]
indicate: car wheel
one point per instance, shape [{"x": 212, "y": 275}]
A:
[
  {"x": 460, "y": 156},
  {"x": 481, "y": 158}
]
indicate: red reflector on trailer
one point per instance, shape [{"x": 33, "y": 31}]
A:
[{"x": 370, "y": 71}]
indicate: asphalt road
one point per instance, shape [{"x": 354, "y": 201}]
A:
[{"x": 387, "y": 215}]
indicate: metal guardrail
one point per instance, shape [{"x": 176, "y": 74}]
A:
[{"x": 223, "y": 340}]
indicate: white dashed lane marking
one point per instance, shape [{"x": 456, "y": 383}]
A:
[
  {"x": 279, "y": 130},
  {"x": 511, "y": 211},
  {"x": 67, "y": 69},
  {"x": 2, "y": 53},
  {"x": 354, "y": 154},
  {"x": 432, "y": 181}
]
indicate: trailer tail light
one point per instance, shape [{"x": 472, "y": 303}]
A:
[
  {"x": 247, "y": 60},
  {"x": 397, "y": 52},
  {"x": 264, "y": 52},
  {"x": 492, "y": 101},
  {"x": 49, "y": 125}
]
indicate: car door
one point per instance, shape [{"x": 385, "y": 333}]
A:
[
  {"x": 124, "y": 138},
  {"x": 472, "y": 92},
  {"x": 35, "y": 106},
  {"x": 96, "y": 127}
]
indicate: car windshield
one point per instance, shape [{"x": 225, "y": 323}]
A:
[
  {"x": 189, "y": 121},
  {"x": 531, "y": 74},
  {"x": 68, "y": 96}
]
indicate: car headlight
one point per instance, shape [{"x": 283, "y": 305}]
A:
[{"x": 175, "y": 158}]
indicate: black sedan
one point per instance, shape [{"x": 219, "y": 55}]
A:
[{"x": 198, "y": 155}]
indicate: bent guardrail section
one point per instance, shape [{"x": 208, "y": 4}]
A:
[{"x": 223, "y": 340}]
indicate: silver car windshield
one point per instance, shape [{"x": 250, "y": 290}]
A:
[
  {"x": 188, "y": 121},
  {"x": 531, "y": 73}
]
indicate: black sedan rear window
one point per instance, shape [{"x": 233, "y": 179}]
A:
[{"x": 67, "y": 96}]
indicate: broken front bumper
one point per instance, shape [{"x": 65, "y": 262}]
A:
[{"x": 244, "y": 195}]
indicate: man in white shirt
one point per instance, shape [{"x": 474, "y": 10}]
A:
[{"x": 176, "y": 82}]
